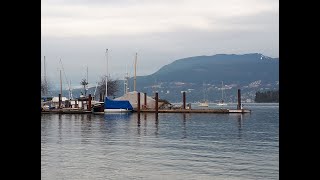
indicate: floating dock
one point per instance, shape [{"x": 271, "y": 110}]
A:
[
  {"x": 144, "y": 109},
  {"x": 195, "y": 111},
  {"x": 66, "y": 111}
]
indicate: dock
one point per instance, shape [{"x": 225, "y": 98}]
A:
[
  {"x": 145, "y": 109},
  {"x": 196, "y": 111},
  {"x": 66, "y": 111}
]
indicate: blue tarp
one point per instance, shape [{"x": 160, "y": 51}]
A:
[{"x": 117, "y": 104}]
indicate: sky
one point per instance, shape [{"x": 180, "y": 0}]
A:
[{"x": 78, "y": 32}]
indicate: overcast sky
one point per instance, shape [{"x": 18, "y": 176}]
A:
[{"x": 160, "y": 31}]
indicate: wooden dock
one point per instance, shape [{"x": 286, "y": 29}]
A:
[
  {"x": 196, "y": 111},
  {"x": 80, "y": 111},
  {"x": 66, "y": 111}
]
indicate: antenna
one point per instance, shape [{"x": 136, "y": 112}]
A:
[{"x": 135, "y": 73}]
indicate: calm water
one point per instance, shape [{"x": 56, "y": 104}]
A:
[{"x": 170, "y": 146}]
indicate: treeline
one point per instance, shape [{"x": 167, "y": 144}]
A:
[{"x": 267, "y": 97}]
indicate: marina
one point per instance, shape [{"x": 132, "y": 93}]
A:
[{"x": 143, "y": 108}]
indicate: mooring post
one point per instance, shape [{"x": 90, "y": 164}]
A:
[
  {"x": 138, "y": 108},
  {"x": 89, "y": 104},
  {"x": 145, "y": 100},
  {"x": 239, "y": 99},
  {"x": 157, "y": 99},
  {"x": 100, "y": 98},
  {"x": 184, "y": 99},
  {"x": 59, "y": 101}
]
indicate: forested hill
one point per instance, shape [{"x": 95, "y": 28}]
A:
[{"x": 230, "y": 68}]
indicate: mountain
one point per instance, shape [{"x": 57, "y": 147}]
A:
[
  {"x": 248, "y": 72},
  {"x": 230, "y": 68}
]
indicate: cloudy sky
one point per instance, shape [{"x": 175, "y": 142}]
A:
[{"x": 79, "y": 31}]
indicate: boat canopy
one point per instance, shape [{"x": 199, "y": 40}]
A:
[{"x": 117, "y": 104}]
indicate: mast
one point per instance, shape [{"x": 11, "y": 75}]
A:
[
  {"x": 60, "y": 83},
  {"x": 87, "y": 76},
  {"x": 69, "y": 84},
  {"x": 45, "y": 76},
  {"x": 107, "y": 75},
  {"x": 204, "y": 92},
  {"x": 95, "y": 90},
  {"x": 70, "y": 91},
  {"x": 222, "y": 91},
  {"x": 135, "y": 74},
  {"x": 126, "y": 81}
]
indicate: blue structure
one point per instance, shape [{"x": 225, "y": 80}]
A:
[{"x": 117, "y": 104}]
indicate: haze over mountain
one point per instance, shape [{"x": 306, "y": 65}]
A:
[
  {"x": 249, "y": 72},
  {"x": 230, "y": 68}
]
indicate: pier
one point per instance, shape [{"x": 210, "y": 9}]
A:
[{"x": 143, "y": 108}]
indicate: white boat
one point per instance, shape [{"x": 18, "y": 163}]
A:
[
  {"x": 204, "y": 103},
  {"x": 221, "y": 102}
]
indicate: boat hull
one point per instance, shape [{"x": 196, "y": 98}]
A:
[
  {"x": 203, "y": 105},
  {"x": 117, "y": 110}
]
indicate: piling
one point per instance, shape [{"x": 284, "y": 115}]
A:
[
  {"x": 100, "y": 97},
  {"x": 75, "y": 104},
  {"x": 145, "y": 100},
  {"x": 157, "y": 99},
  {"x": 89, "y": 103},
  {"x": 59, "y": 101},
  {"x": 138, "y": 108},
  {"x": 184, "y": 99},
  {"x": 239, "y": 99}
]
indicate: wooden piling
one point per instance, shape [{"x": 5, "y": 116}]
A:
[
  {"x": 184, "y": 99},
  {"x": 59, "y": 101},
  {"x": 145, "y": 100},
  {"x": 239, "y": 99},
  {"x": 138, "y": 108},
  {"x": 157, "y": 99},
  {"x": 76, "y": 104},
  {"x": 89, "y": 104}
]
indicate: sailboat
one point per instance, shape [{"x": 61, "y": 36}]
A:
[
  {"x": 115, "y": 106},
  {"x": 221, "y": 103},
  {"x": 204, "y": 103}
]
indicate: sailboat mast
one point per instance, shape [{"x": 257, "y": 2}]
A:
[
  {"x": 60, "y": 83},
  {"x": 222, "y": 91},
  {"x": 135, "y": 73},
  {"x": 107, "y": 74},
  {"x": 45, "y": 75},
  {"x": 126, "y": 81},
  {"x": 70, "y": 91}
]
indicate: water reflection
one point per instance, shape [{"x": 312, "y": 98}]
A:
[
  {"x": 156, "y": 124},
  {"x": 138, "y": 123},
  {"x": 145, "y": 124},
  {"x": 184, "y": 126},
  {"x": 117, "y": 116},
  {"x": 240, "y": 116},
  {"x": 60, "y": 128},
  {"x": 86, "y": 128}
]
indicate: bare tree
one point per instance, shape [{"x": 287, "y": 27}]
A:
[
  {"x": 113, "y": 86},
  {"x": 84, "y": 83}
]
